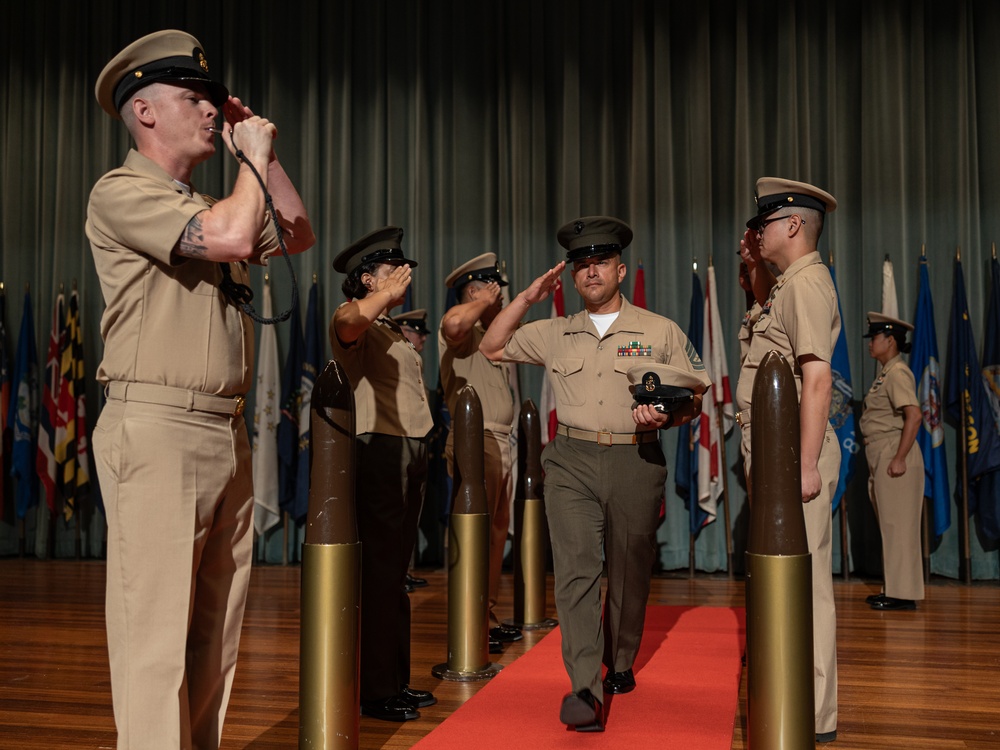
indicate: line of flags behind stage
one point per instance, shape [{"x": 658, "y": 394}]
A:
[
  {"x": 841, "y": 403},
  {"x": 968, "y": 404}
]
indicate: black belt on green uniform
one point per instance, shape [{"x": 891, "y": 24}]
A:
[
  {"x": 608, "y": 438},
  {"x": 164, "y": 395}
]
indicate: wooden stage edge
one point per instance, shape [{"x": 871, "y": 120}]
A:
[{"x": 924, "y": 679}]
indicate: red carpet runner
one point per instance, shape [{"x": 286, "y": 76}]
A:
[{"x": 687, "y": 674}]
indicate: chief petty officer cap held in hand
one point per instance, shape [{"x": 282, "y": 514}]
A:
[
  {"x": 774, "y": 193},
  {"x": 665, "y": 385},
  {"x": 594, "y": 235},
  {"x": 481, "y": 268},
  {"x": 168, "y": 56},
  {"x": 380, "y": 246}
]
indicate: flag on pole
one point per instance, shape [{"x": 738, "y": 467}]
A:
[
  {"x": 547, "y": 408},
  {"x": 266, "y": 415},
  {"x": 686, "y": 466},
  {"x": 312, "y": 362},
  {"x": 966, "y": 391},
  {"x": 45, "y": 460},
  {"x": 80, "y": 392},
  {"x": 5, "y": 433},
  {"x": 66, "y": 407},
  {"x": 926, "y": 370},
  {"x": 890, "y": 303},
  {"x": 288, "y": 426},
  {"x": 841, "y": 408},
  {"x": 719, "y": 398},
  {"x": 22, "y": 418},
  {"x": 639, "y": 290},
  {"x": 987, "y": 500}
]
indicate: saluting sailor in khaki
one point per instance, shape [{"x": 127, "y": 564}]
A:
[
  {"x": 890, "y": 422},
  {"x": 605, "y": 470},
  {"x": 477, "y": 284},
  {"x": 799, "y": 318}
]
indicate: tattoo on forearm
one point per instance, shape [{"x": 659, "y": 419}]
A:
[{"x": 192, "y": 241}]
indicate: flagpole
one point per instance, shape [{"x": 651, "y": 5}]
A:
[
  {"x": 963, "y": 527},
  {"x": 694, "y": 488}
]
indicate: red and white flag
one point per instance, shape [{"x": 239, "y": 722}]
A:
[
  {"x": 548, "y": 400},
  {"x": 718, "y": 398}
]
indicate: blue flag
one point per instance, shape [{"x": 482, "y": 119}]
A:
[
  {"x": 312, "y": 362},
  {"x": 841, "y": 408},
  {"x": 22, "y": 419},
  {"x": 927, "y": 372},
  {"x": 288, "y": 427},
  {"x": 688, "y": 435},
  {"x": 987, "y": 495},
  {"x": 966, "y": 391}
]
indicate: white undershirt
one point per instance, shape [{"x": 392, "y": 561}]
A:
[{"x": 603, "y": 322}]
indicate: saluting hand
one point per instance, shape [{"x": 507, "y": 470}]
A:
[
  {"x": 750, "y": 248},
  {"x": 395, "y": 284},
  {"x": 540, "y": 287}
]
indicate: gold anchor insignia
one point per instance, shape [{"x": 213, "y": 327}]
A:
[
  {"x": 202, "y": 61},
  {"x": 650, "y": 382}
]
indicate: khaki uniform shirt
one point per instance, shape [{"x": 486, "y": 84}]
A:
[
  {"x": 894, "y": 389},
  {"x": 165, "y": 321},
  {"x": 589, "y": 373},
  {"x": 463, "y": 364},
  {"x": 800, "y": 317},
  {"x": 387, "y": 375},
  {"x": 746, "y": 329}
]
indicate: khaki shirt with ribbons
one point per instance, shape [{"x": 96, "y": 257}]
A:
[
  {"x": 463, "y": 364},
  {"x": 894, "y": 389},
  {"x": 387, "y": 375},
  {"x": 165, "y": 320},
  {"x": 799, "y": 318},
  {"x": 589, "y": 373}
]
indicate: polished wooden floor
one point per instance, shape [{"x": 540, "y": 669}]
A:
[{"x": 917, "y": 680}]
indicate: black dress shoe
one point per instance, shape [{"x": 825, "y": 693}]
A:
[
  {"x": 395, "y": 708},
  {"x": 495, "y": 646},
  {"x": 619, "y": 682},
  {"x": 582, "y": 711},
  {"x": 826, "y": 736},
  {"x": 418, "y": 698},
  {"x": 890, "y": 602},
  {"x": 415, "y": 582},
  {"x": 872, "y": 598},
  {"x": 506, "y": 633}
]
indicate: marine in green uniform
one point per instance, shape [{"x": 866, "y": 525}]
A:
[{"x": 605, "y": 470}]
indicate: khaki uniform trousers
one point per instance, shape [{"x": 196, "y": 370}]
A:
[
  {"x": 818, "y": 514},
  {"x": 497, "y": 468},
  {"x": 601, "y": 499},
  {"x": 178, "y": 492},
  {"x": 898, "y": 503}
]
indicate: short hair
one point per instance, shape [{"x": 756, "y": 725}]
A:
[{"x": 352, "y": 286}]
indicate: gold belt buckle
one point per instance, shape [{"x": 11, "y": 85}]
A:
[
  {"x": 240, "y": 405},
  {"x": 739, "y": 418},
  {"x": 601, "y": 435}
]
